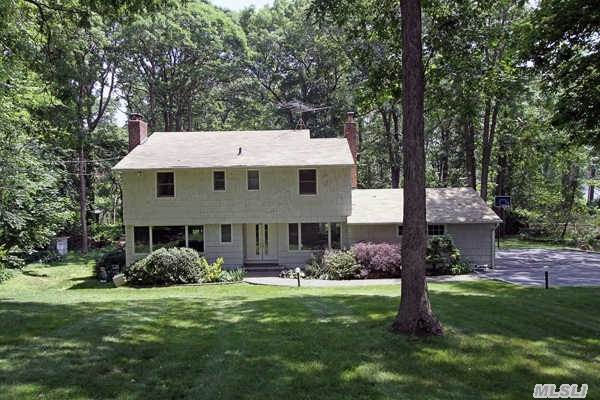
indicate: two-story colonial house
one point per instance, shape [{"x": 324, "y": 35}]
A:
[{"x": 273, "y": 197}]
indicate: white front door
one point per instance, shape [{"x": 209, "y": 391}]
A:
[{"x": 261, "y": 243}]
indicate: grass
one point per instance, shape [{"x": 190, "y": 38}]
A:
[
  {"x": 65, "y": 336},
  {"x": 516, "y": 242}
]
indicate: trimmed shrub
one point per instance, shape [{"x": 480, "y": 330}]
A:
[
  {"x": 104, "y": 266},
  {"x": 166, "y": 266},
  {"x": 378, "y": 260},
  {"x": 441, "y": 255},
  {"x": 211, "y": 272},
  {"x": 335, "y": 264}
]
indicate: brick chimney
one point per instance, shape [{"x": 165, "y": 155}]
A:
[
  {"x": 351, "y": 135},
  {"x": 138, "y": 130}
]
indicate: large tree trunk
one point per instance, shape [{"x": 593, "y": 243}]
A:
[
  {"x": 444, "y": 161},
  {"x": 83, "y": 200},
  {"x": 388, "y": 117},
  {"x": 415, "y": 316},
  {"x": 469, "y": 143},
  {"x": 488, "y": 144},
  {"x": 396, "y": 171},
  {"x": 591, "y": 187}
]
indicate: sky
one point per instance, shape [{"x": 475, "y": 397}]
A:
[{"x": 237, "y": 5}]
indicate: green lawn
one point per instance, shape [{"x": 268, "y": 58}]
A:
[
  {"x": 516, "y": 242},
  {"x": 64, "y": 336}
]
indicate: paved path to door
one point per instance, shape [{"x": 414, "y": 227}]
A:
[{"x": 565, "y": 267}]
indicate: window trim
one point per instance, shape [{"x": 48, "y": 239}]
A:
[
  {"x": 156, "y": 185},
  {"x": 316, "y": 193},
  {"x": 299, "y": 225},
  {"x": 247, "y": 181},
  {"x": 187, "y": 238},
  {"x": 436, "y": 234},
  {"x": 160, "y": 226},
  {"x": 224, "y": 178},
  {"x": 221, "y": 235},
  {"x": 149, "y": 239}
]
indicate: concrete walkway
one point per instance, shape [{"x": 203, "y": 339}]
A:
[
  {"x": 565, "y": 267},
  {"x": 346, "y": 283}
]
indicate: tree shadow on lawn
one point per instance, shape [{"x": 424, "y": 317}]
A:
[{"x": 300, "y": 346}]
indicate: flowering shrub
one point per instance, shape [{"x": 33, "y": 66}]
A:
[{"x": 378, "y": 260}]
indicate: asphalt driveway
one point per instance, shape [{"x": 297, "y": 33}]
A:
[{"x": 565, "y": 267}]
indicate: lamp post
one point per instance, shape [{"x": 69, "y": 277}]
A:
[{"x": 298, "y": 270}]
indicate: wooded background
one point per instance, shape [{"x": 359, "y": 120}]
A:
[{"x": 511, "y": 106}]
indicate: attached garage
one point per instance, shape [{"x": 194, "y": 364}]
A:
[{"x": 457, "y": 212}]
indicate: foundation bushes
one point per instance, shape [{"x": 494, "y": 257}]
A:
[
  {"x": 166, "y": 266},
  {"x": 443, "y": 258},
  {"x": 179, "y": 266},
  {"x": 334, "y": 264}
]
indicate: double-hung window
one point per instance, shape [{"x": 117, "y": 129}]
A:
[
  {"x": 226, "y": 233},
  {"x": 165, "y": 184},
  {"x": 219, "y": 184},
  {"x": 253, "y": 179},
  {"x": 307, "y": 181}
]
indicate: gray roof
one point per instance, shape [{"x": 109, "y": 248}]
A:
[
  {"x": 444, "y": 206},
  {"x": 221, "y": 149}
]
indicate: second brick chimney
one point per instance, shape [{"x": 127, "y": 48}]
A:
[
  {"x": 351, "y": 135},
  {"x": 138, "y": 130}
]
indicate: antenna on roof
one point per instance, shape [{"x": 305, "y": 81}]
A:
[{"x": 298, "y": 108}]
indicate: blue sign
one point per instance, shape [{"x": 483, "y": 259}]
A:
[{"x": 502, "y": 201}]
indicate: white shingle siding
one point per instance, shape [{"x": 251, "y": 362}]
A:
[
  {"x": 475, "y": 241},
  {"x": 373, "y": 233},
  {"x": 196, "y": 203}
]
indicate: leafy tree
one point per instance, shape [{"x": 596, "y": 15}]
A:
[
  {"x": 563, "y": 43},
  {"x": 33, "y": 208},
  {"x": 175, "y": 61},
  {"x": 293, "y": 59}
]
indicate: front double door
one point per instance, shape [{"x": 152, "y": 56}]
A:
[{"x": 261, "y": 243}]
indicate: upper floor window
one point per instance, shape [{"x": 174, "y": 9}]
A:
[
  {"x": 253, "y": 178},
  {"x": 165, "y": 184},
  {"x": 436, "y": 230},
  {"x": 307, "y": 179},
  {"x": 219, "y": 180}
]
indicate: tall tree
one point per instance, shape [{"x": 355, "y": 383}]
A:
[
  {"x": 563, "y": 42},
  {"x": 415, "y": 316}
]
